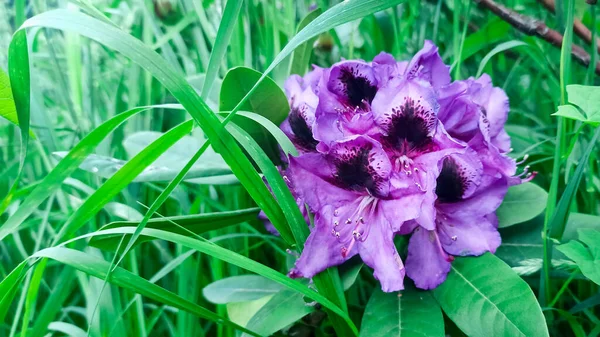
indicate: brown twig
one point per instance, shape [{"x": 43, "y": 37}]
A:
[
  {"x": 578, "y": 27},
  {"x": 533, "y": 27}
]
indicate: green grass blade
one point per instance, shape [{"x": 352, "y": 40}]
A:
[
  {"x": 122, "y": 178},
  {"x": 558, "y": 222},
  {"x": 9, "y": 287},
  {"x": 301, "y": 56},
  {"x": 228, "y": 256},
  {"x": 97, "y": 267},
  {"x": 228, "y": 21},
  {"x": 64, "y": 169},
  {"x": 134, "y": 49}
]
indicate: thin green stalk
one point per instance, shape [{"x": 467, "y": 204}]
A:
[{"x": 565, "y": 71}]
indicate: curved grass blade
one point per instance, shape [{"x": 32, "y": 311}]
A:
[
  {"x": 228, "y": 21},
  {"x": 18, "y": 71},
  {"x": 141, "y": 54},
  {"x": 64, "y": 169},
  {"x": 211, "y": 249},
  {"x": 498, "y": 49},
  {"x": 122, "y": 178},
  {"x": 196, "y": 223},
  {"x": 558, "y": 222},
  {"x": 301, "y": 55},
  {"x": 97, "y": 267}
]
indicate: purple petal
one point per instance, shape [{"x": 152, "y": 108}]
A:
[
  {"x": 353, "y": 82},
  {"x": 407, "y": 115},
  {"x": 361, "y": 165},
  {"x": 312, "y": 175},
  {"x": 464, "y": 236},
  {"x": 325, "y": 246},
  {"x": 378, "y": 252},
  {"x": 428, "y": 65},
  {"x": 427, "y": 264},
  {"x": 459, "y": 178}
]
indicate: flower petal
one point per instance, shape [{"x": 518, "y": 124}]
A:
[
  {"x": 407, "y": 115},
  {"x": 469, "y": 236},
  {"x": 378, "y": 252},
  {"x": 325, "y": 247},
  {"x": 428, "y": 65},
  {"x": 426, "y": 264},
  {"x": 361, "y": 165},
  {"x": 354, "y": 82}
]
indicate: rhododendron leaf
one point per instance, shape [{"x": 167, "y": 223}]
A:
[
  {"x": 485, "y": 297},
  {"x": 240, "y": 289},
  {"x": 267, "y": 100},
  {"x": 521, "y": 203},
  {"x": 585, "y": 253},
  {"x": 410, "y": 313},
  {"x": 283, "y": 309}
]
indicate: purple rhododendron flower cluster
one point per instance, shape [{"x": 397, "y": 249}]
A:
[{"x": 396, "y": 148}]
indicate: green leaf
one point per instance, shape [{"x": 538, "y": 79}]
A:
[
  {"x": 195, "y": 223},
  {"x": 120, "y": 277},
  {"x": 301, "y": 56},
  {"x": 7, "y": 103},
  {"x": 9, "y": 287},
  {"x": 240, "y": 289},
  {"x": 585, "y": 253},
  {"x": 267, "y": 100},
  {"x": 283, "y": 309},
  {"x": 522, "y": 242},
  {"x": 569, "y": 111},
  {"x": 242, "y": 312},
  {"x": 485, "y": 297},
  {"x": 521, "y": 203},
  {"x": 586, "y": 98},
  {"x": 122, "y": 178},
  {"x": 410, "y": 313},
  {"x": 349, "y": 272}
]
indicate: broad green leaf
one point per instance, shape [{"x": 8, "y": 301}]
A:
[
  {"x": 267, "y": 100},
  {"x": 240, "y": 289},
  {"x": 569, "y": 111},
  {"x": 195, "y": 223},
  {"x": 522, "y": 242},
  {"x": 7, "y": 103},
  {"x": 485, "y": 297},
  {"x": 521, "y": 203},
  {"x": 120, "y": 277},
  {"x": 68, "y": 329},
  {"x": 179, "y": 154},
  {"x": 241, "y": 312},
  {"x": 409, "y": 313},
  {"x": 283, "y": 309},
  {"x": 301, "y": 56},
  {"x": 586, "y": 98},
  {"x": 585, "y": 253},
  {"x": 349, "y": 272}
]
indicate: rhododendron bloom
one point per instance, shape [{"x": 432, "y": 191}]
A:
[{"x": 393, "y": 148}]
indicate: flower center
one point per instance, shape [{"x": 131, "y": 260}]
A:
[
  {"x": 302, "y": 132},
  {"x": 409, "y": 128},
  {"x": 451, "y": 183},
  {"x": 357, "y": 219},
  {"x": 358, "y": 89},
  {"x": 354, "y": 172}
]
